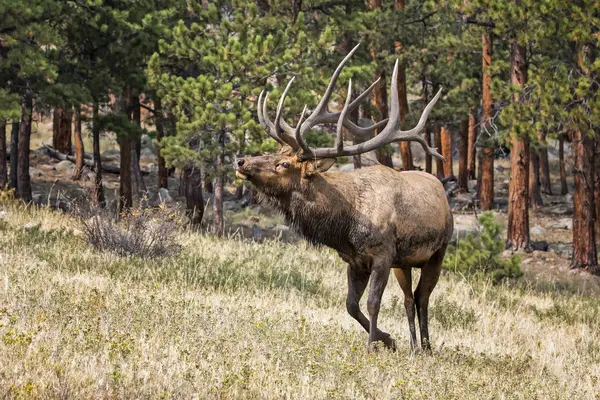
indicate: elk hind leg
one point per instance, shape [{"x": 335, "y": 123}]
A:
[
  {"x": 379, "y": 277},
  {"x": 430, "y": 274},
  {"x": 404, "y": 278}
]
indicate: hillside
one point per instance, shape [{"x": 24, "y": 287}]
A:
[{"x": 236, "y": 319}]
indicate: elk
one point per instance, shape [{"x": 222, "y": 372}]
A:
[{"x": 376, "y": 218}]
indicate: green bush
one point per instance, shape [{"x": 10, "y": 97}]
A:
[{"x": 479, "y": 256}]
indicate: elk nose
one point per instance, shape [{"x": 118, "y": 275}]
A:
[{"x": 239, "y": 162}]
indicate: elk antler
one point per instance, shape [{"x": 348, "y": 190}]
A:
[{"x": 294, "y": 137}]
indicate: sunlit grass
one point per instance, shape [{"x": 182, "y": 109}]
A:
[{"x": 228, "y": 318}]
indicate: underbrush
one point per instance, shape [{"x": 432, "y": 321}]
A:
[{"x": 479, "y": 256}]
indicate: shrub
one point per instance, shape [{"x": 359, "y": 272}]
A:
[
  {"x": 480, "y": 255},
  {"x": 146, "y": 233}
]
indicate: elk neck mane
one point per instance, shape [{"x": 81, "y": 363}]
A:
[{"x": 321, "y": 209}]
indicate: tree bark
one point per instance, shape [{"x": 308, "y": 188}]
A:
[
  {"x": 13, "y": 182},
  {"x": 405, "y": 152},
  {"x": 163, "y": 172},
  {"x": 23, "y": 178},
  {"x": 379, "y": 99},
  {"x": 219, "y": 183},
  {"x": 564, "y": 188},
  {"x": 447, "y": 151},
  {"x": 584, "y": 233},
  {"x": 137, "y": 181},
  {"x": 544, "y": 166},
  {"x": 463, "y": 162},
  {"x": 3, "y": 154},
  {"x": 194, "y": 202},
  {"x": 535, "y": 194},
  {"x": 439, "y": 164},
  {"x": 597, "y": 184},
  {"x": 98, "y": 189},
  {"x": 79, "y": 149},
  {"x": 428, "y": 158},
  {"x": 486, "y": 186},
  {"x": 518, "y": 189},
  {"x": 472, "y": 150},
  {"x": 126, "y": 193},
  {"x": 61, "y": 130}
]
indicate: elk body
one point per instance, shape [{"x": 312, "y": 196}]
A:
[{"x": 376, "y": 218}]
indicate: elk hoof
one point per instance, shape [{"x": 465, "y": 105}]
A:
[{"x": 387, "y": 341}]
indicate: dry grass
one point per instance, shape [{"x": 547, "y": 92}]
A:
[{"x": 234, "y": 319}]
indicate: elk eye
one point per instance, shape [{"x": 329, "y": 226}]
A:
[{"x": 285, "y": 164}]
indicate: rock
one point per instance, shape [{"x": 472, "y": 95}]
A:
[
  {"x": 561, "y": 209},
  {"x": 257, "y": 234},
  {"x": 560, "y": 248},
  {"x": 540, "y": 245},
  {"x": 35, "y": 172},
  {"x": 31, "y": 225},
  {"x": 36, "y": 197},
  {"x": 3, "y": 214},
  {"x": 111, "y": 155},
  {"x": 281, "y": 228},
  {"x": 146, "y": 153},
  {"x": 563, "y": 223},
  {"x": 538, "y": 230},
  {"x": 162, "y": 196},
  {"x": 146, "y": 142},
  {"x": 64, "y": 165},
  {"x": 231, "y": 206}
]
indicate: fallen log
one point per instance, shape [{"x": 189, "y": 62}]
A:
[{"x": 106, "y": 167}]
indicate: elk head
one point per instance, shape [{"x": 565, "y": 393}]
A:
[{"x": 297, "y": 161}]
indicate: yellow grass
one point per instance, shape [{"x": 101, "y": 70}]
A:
[{"x": 234, "y": 319}]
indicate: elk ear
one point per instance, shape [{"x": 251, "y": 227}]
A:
[{"x": 317, "y": 166}]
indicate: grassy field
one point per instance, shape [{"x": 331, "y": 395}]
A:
[{"x": 235, "y": 319}]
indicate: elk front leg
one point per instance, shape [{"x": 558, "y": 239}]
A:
[
  {"x": 358, "y": 278},
  {"x": 379, "y": 277}
]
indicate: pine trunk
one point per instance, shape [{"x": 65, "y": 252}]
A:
[
  {"x": 14, "y": 155},
  {"x": 405, "y": 152},
  {"x": 518, "y": 189},
  {"x": 218, "y": 223},
  {"x": 137, "y": 180},
  {"x": 23, "y": 178},
  {"x": 439, "y": 164},
  {"x": 584, "y": 234},
  {"x": 428, "y": 158},
  {"x": 3, "y": 155},
  {"x": 194, "y": 202},
  {"x": 544, "y": 166},
  {"x": 446, "y": 138},
  {"x": 597, "y": 185},
  {"x": 61, "y": 130},
  {"x": 379, "y": 99},
  {"x": 535, "y": 193},
  {"x": 79, "y": 149},
  {"x": 98, "y": 189},
  {"x": 486, "y": 186},
  {"x": 159, "y": 121},
  {"x": 564, "y": 188},
  {"x": 472, "y": 150},
  {"x": 463, "y": 162},
  {"x": 125, "y": 189}
]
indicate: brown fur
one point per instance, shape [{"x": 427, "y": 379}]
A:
[{"x": 376, "y": 218}]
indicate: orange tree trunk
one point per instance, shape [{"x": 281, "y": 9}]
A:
[
  {"x": 79, "y": 149},
  {"x": 3, "y": 154},
  {"x": 518, "y": 188},
  {"x": 447, "y": 151},
  {"x": 564, "y": 188},
  {"x": 428, "y": 166},
  {"x": 14, "y": 156},
  {"x": 597, "y": 185},
  {"x": 535, "y": 194},
  {"x": 439, "y": 164},
  {"x": 486, "y": 187},
  {"x": 61, "y": 130},
  {"x": 544, "y": 166},
  {"x": 584, "y": 234},
  {"x": 472, "y": 150},
  {"x": 23, "y": 178},
  {"x": 98, "y": 189},
  {"x": 405, "y": 152},
  {"x": 463, "y": 172}
]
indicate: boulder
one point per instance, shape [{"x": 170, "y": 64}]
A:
[
  {"x": 538, "y": 230},
  {"x": 64, "y": 166},
  {"x": 231, "y": 206},
  {"x": 563, "y": 223}
]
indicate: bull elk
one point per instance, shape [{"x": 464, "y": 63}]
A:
[{"x": 376, "y": 218}]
